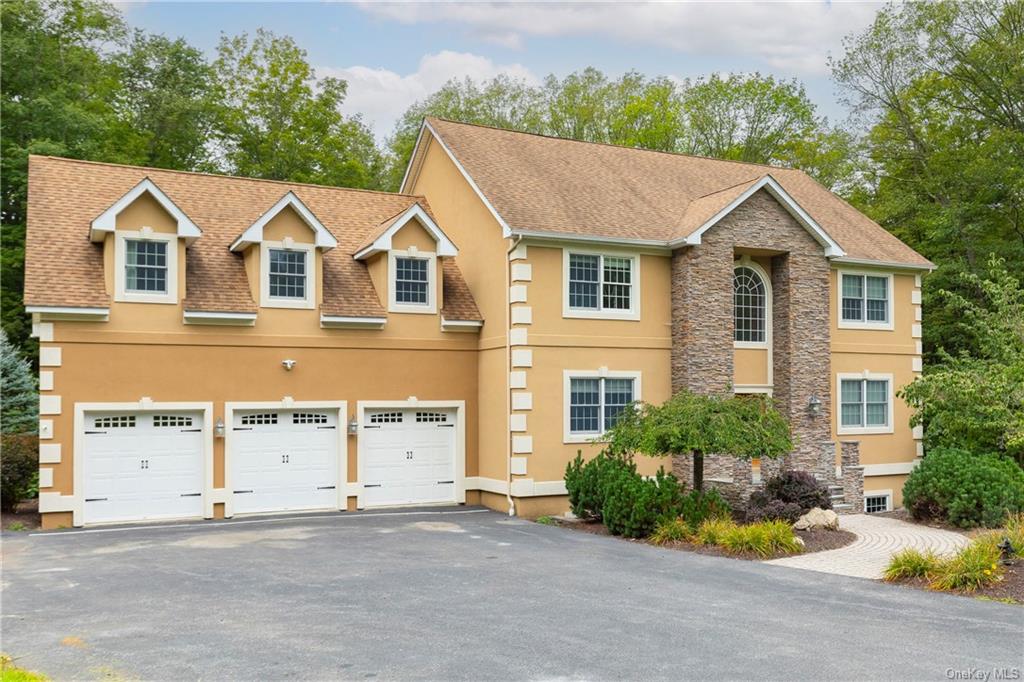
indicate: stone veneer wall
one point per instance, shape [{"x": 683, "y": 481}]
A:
[{"x": 702, "y": 327}]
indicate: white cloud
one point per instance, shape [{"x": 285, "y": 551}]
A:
[
  {"x": 794, "y": 37},
  {"x": 382, "y": 95}
]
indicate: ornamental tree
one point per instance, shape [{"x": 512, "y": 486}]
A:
[{"x": 695, "y": 424}]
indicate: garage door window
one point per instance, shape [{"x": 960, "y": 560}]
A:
[
  {"x": 431, "y": 417},
  {"x": 120, "y": 421},
  {"x": 259, "y": 419},
  {"x": 308, "y": 418},
  {"x": 386, "y": 418},
  {"x": 171, "y": 420}
]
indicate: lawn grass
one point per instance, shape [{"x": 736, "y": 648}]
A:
[{"x": 12, "y": 673}]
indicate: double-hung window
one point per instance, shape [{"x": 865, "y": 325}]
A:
[
  {"x": 865, "y": 405},
  {"x": 599, "y": 285},
  {"x": 865, "y": 300},
  {"x": 288, "y": 274},
  {"x": 412, "y": 281},
  {"x": 596, "y": 403},
  {"x": 145, "y": 266}
]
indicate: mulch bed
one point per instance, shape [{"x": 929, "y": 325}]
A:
[
  {"x": 1010, "y": 589},
  {"x": 903, "y": 515},
  {"x": 27, "y": 515},
  {"x": 814, "y": 541}
]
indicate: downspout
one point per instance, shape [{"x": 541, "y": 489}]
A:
[{"x": 508, "y": 375}]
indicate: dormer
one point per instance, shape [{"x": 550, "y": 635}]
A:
[
  {"x": 403, "y": 255},
  {"x": 144, "y": 235},
  {"x": 283, "y": 253}
]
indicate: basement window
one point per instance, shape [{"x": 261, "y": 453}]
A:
[{"x": 877, "y": 503}]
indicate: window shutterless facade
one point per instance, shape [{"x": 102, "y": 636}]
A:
[
  {"x": 595, "y": 402},
  {"x": 865, "y": 300},
  {"x": 601, "y": 285},
  {"x": 750, "y": 307},
  {"x": 145, "y": 266},
  {"x": 288, "y": 274},
  {"x": 865, "y": 404}
]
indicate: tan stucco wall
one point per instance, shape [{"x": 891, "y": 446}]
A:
[
  {"x": 879, "y": 484},
  {"x": 750, "y": 366},
  {"x": 883, "y": 352}
]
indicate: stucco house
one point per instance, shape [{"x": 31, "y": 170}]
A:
[{"x": 213, "y": 346}]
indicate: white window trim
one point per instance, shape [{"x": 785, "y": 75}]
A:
[
  {"x": 850, "y": 430},
  {"x": 889, "y": 324},
  {"x": 887, "y": 494},
  {"x": 121, "y": 293},
  {"x": 394, "y": 306},
  {"x": 746, "y": 262},
  {"x": 634, "y": 311},
  {"x": 307, "y": 303},
  {"x": 602, "y": 373}
]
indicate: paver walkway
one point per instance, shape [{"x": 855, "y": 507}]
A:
[{"x": 878, "y": 538}]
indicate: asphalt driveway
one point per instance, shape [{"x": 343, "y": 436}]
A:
[{"x": 468, "y": 594}]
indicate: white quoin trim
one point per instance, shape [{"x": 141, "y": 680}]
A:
[
  {"x": 445, "y": 246},
  {"x": 107, "y": 221},
  {"x": 254, "y": 233},
  {"x": 769, "y": 184}
]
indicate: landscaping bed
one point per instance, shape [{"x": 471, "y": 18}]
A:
[
  {"x": 1009, "y": 590},
  {"x": 817, "y": 540},
  {"x": 25, "y": 517}
]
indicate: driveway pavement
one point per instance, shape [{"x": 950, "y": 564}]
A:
[
  {"x": 464, "y": 595},
  {"x": 878, "y": 538}
]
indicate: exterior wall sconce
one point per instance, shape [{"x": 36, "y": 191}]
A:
[
  {"x": 218, "y": 428},
  {"x": 288, "y": 364},
  {"x": 814, "y": 406},
  {"x": 353, "y": 426}
]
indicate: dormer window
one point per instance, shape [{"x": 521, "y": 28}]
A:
[
  {"x": 145, "y": 266},
  {"x": 413, "y": 285},
  {"x": 412, "y": 282},
  {"x": 287, "y": 274}
]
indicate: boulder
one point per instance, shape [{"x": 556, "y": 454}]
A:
[{"x": 817, "y": 518}]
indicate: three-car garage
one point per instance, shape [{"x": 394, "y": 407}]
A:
[{"x": 156, "y": 461}]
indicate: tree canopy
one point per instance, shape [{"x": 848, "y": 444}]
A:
[{"x": 697, "y": 424}]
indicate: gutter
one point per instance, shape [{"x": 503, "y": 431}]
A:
[{"x": 508, "y": 376}]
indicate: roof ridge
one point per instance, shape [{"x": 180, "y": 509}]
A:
[
  {"x": 726, "y": 189},
  {"x": 614, "y": 146},
  {"x": 226, "y": 176}
]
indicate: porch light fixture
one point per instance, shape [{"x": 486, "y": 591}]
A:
[
  {"x": 218, "y": 428},
  {"x": 353, "y": 426},
  {"x": 814, "y": 406}
]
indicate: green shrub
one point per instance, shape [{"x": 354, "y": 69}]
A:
[
  {"x": 19, "y": 469},
  {"x": 911, "y": 563},
  {"x": 976, "y": 565},
  {"x": 764, "y": 539},
  {"x": 1014, "y": 530},
  {"x": 699, "y": 506},
  {"x": 671, "y": 530},
  {"x": 964, "y": 488},
  {"x": 712, "y": 531},
  {"x": 586, "y": 481},
  {"x": 633, "y": 505}
]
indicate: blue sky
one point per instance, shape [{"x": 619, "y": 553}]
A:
[{"x": 393, "y": 54}]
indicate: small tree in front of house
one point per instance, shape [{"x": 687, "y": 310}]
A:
[{"x": 694, "y": 424}]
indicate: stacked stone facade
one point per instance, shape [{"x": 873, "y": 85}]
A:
[{"x": 702, "y": 330}]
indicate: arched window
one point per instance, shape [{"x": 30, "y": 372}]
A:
[{"x": 749, "y": 305}]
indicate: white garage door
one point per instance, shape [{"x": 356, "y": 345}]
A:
[
  {"x": 284, "y": 460},
  {"x": 142, "y": 465},
  {"x": 409, "y": 457}
]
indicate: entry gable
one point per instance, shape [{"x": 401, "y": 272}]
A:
[
  {"x": 705, "y": 212},
  {"x": 380, "y": 240},
  {"x": 254, "y": 233},
  {"x": 107, "y": 221}
]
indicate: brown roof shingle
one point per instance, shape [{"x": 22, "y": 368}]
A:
[
  {"x": 63, "y": 268},
  {"x": 547, "y": 184}
]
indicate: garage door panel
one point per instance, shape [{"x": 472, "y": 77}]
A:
[
  {"x": 285, "y": 460},
  {"x": 409, "y": 457},
  {"x": 142, "y": 466}
]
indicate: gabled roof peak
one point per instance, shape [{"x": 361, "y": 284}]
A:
[
  {"x": 380, "y": 239},
  {"x": 254, "y": 233},
  {"x": 107, "y": 221}
]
